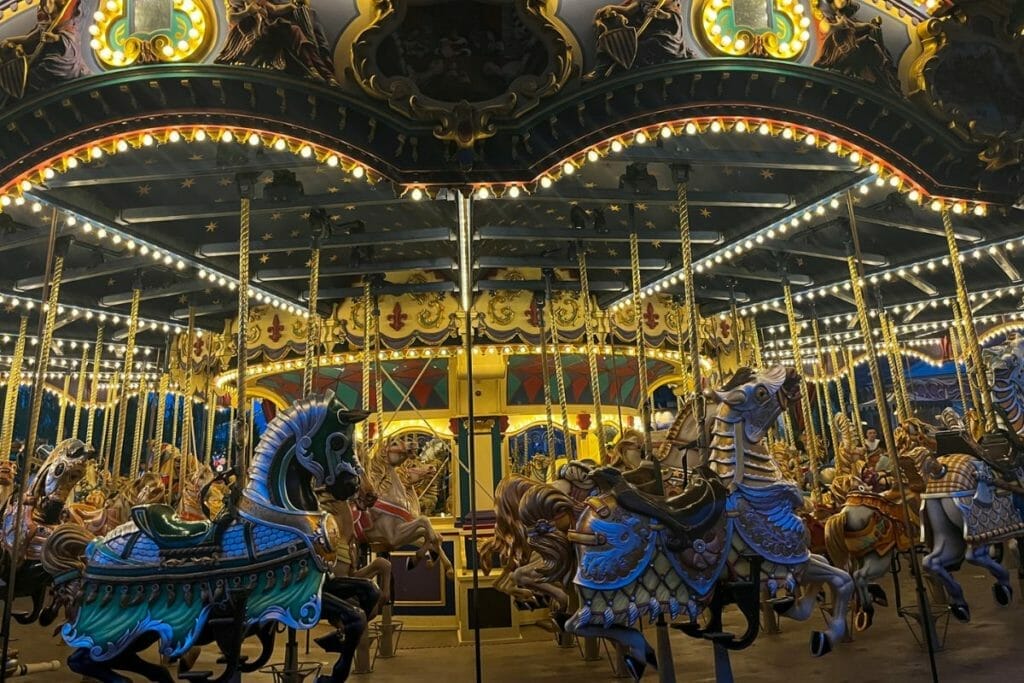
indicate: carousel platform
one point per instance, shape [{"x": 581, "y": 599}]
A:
[{"x": 981, "y": 650}]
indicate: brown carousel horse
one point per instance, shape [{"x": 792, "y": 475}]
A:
[
  {"x": 43, "y": 506},
  {"x": 393, "y": 520}
]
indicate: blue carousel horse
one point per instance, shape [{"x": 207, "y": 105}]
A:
[
  {"x": 733, "y": 530},
  {"x": 262, "y": 562}
]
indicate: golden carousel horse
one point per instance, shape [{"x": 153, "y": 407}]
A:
[
  {"x": 8, "y": 473},
  {"x": 733, "y": 531},
  {"x": 871, "y": 525}
]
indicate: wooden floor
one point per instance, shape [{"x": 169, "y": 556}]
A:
[{"x": 987, "y": 649}]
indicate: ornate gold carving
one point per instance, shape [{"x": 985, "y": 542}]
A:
[{"x": 418, "y": 66}]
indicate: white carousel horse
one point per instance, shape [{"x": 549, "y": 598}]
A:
[
  {"x": 972, "y": 501},
  {"x": 640, "y": 555}
]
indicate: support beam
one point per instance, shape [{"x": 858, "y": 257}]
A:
[
  {"x": 558, "y": 262},
  {"x": 918, "y": 282},
  {"x": 194, "y": 169},
  {"x": 176, "y": 289},
  {"x": 25, "y": 238},
  {"x": 78, "y": 274},
  {"x": 875, "y": 218},
  {"x": 742, "y": 200},
  {"x": 1005, "y": 265},
  {"x": 177, "y": 212},
  {"x": 508, "y": 232},
  {"x": 827, "y": 253},
  {"x": 336, "y": 293},
  {"x": 277, "y": 274},
  {"x": 678, "y": 154},
  {"x": 337, "y": 242},
  {"x": 761, "y": 276},
  {"x": 909, "y": 317},
  {"x": 540, "y": 286},
  {"x": 209, "y": 309}
]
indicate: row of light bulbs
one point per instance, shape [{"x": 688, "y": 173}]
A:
[
  {"x": 260, "y": 296},
  {"x": 74, "y": 345}
]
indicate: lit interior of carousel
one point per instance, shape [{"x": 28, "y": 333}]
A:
[{"x": 663, "y": 341}]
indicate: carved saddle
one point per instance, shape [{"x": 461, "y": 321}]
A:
[
  {"x": 169, "y": 532},
  {"x": 995, "y": 449},
  {"x": 686, "y": 515}
]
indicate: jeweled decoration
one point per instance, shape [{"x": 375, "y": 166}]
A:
[
  {"x": 779, "y": 29},
  {"x": 132, "y": 32}
]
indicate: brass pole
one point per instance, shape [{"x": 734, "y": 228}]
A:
[
  {"x": 126, "y": 371},
  {"x": 83, "y": 367},
  {"x": 366, "y": 369},
  {"x": 57, "y": 249},
  {"x": 13, "y": 388},
  {"x": 811, "y": 442},
  {"x": 967, "y": 320},
  {"x": 187, "y": 404},
  {"x": 161, "y": 400},
  {"x": 211, "y": 418},
  {"x": 94, "y": 386},
  {"x": 856, "y": 280},
  {"x": 851, "y": 379},
  {"x": 545, "y": 372},
  {"x": 313, "y": 316},
  {"x": 900, "y": 378},
  {"x": 175, "y": 416},
  {"x": 62, "y": 414},
  {"x": 246, "y": 182},
  {"x": 755, "y": 343},
  {"x": 641, "y": 346},
  {"x": 141, "y": 399},
  {"x": 378, "y": 376},
  {"x": 972, "y": 378},
  {"x": 821, "y": 388},
  {"x": 681, "y": 176},
  {"x": 589, "y": 333},
  {"x": 109, "y": 418},
  {"x": 834, "y": 358},
  {"x": 955, "y": 351},
  {"x": 559, "y": 367}
]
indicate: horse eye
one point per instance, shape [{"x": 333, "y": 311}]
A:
[
  {"x": 338, "y": 442},
  {"x": 58, "y": 471}
]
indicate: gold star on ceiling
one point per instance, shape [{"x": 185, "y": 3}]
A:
[
  {"x": 187, "y": 183},
  {"x": 650, "y": 224},
  {"x": 350, "y": 207},
  {"x": 590, "y": 184},
  {"x": 225, "y": 181},
  {"x": 612, "y": 252},
  {"x": 615, "y": 208},
  {"x": 656, "y": 244},
  {"x": 264, "y": 258},
  {"x": 767, "y": 173},
  {"x": 641, "y": 206},
  {"x": 705, "y": 212},
  {"x": 309, "y": 263},
  {"x": 194, "y": 157},
  {"x": 276, "y": 216},
  {"x": 334, "y": 257},
  {"x": 333, "y": 189},
  {"x": 211, "y": 226},
  {"x": 143, "y": 190},
  {"x": 110, "y": 282},
  {"x": 267, "y": 236},
  {"x": 294, "y": 233},
  {"x": 207, "y": 291},
  {"x": 183, "y": 299},
  {"x": 305, "y": 215}
]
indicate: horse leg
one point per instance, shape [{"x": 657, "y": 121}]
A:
[
  {"x": 817, "y": 572},
  {"x": 349, "y": 621},
  {"x": 639, "y": 653},
  {"x": 1017, "y": 542},
  {"x": 948, "y": 551},
  {"x": 1002, "y": 590},
  {"x": 872, "y": 567}
]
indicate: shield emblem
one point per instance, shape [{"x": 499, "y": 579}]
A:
[
  {"x": 620, "y": 44},
  {"x": 14, "y": 76}
]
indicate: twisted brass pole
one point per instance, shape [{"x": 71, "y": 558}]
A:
[
  {"x": 83, "y": 367},
  {"x": 967, "y": 322},
  {"x": 851, "y": 379},
  {"x": 126, "y": 371},
  {"x": 955, "y": 351},
  {"x": 681, "y": 176},
  {"x": 13, "y": 388},
  {"x": 109, "y": 417},
  {"x": 834, "y": 359},
  {"x": 246, "y": 182},
  {"x": 162, "y": 389},
  {"x": 821, "y": 388},
  {"x": 94, "y": 386},
  {"x": 187, "y": 430},
  {"x": 589, "y": 332},
  {"x": 365, "y": 377},
  {"x": 141, "y": 399},
  {"x": 313, "y": 320},
  {"x": 641, "y": 346},
  {"x": 545, "y": 373},
  {"x": 211, "y": 419},
  {"x": 378, "y": 376},
  {"x": 857, "y": 285},
  {"x": 559, "y": 368},
  {"x": 811, "y": 442},
  {"x": 63, "y": 412},
  {"x": 972, "y": 378}
]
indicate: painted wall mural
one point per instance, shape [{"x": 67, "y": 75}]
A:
[{"x": 618, "y": 377}]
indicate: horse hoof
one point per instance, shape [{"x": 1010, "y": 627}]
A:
[
  {"x": 821, "y": 644},
  {"x": 1003, "y": 594},
  {"x": 782, "y": 605},
  {"x": 634, "y": 666},
  {"x": 961, "y": 613},
  {"x": 878, "y": 595},
  {"x": 862, "y": 620}
]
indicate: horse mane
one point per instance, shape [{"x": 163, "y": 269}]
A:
[
  {"x": 302, "y": 419},
  {"x": 537, "y": 510},
  {"x": 509, "y": 541},
  {"x": 742, "y": 376}
]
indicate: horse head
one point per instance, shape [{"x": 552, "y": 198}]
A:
[
  {"x": 63, "y": 468},
  {"x": 329, "y": 454},
  {"x": 148, "y": 488},
  {"x": 757, "y": 398},
  {"x": 8, "y": 470}
]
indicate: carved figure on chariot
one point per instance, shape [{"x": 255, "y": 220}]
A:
[
  {"x": 855, "y": 48},
  {"x": 733, "y": 530},
  {"x": 48, "y": 54},
  {"x": 264, "y": 560},
  {"x": 638, "y": 33}
]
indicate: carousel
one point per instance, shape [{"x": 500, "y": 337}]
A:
[{"x": 594, "y": 338}]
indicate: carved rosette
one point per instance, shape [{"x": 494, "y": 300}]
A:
[{"x": 407, "y": 50}]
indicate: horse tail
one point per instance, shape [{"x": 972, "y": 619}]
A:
[
  {"x": 835, "y": 540},
  {"x": 509, "y": 540},
  {"x": 63, "y": 554}
]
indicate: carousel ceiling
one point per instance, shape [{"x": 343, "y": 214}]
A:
[{"x": 568, "y": 124}]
